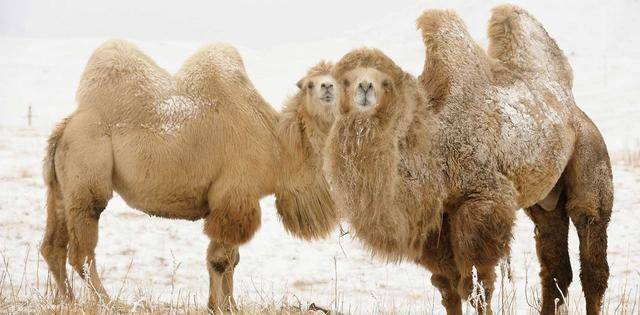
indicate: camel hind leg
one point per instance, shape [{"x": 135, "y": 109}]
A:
[
  {"x": 551, "y": 235},
  {"x": 82, "y": 221},
  {"x": 84, "y": 166},
  {"x": 54, "y": 244},
  {"x": 589, "y": 187}
]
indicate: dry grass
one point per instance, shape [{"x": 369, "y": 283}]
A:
[
  {"x": 19, "y": 297},
  {"x": 630, "y": 156}
]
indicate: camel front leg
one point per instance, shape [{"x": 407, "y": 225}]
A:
[
  {"x": 437, "y": 257},
  {"x": 221, "y": 261},
  {"x": 481, "y": 230},
  {"x": 227, "y": 280}
]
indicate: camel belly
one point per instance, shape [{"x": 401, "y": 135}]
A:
[
  {"x": 534, "y": 179},
  {"x": 160, "y": 181},
  {"x": 166, "y": 203}
]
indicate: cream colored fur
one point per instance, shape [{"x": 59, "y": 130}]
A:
[
  {"x": 200, "y": 144},
  {"x": 303, "y": 126}
]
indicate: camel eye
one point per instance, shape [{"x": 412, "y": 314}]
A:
[
  {"x": 310, "y": 85},
  {"x": 386, "y": 84}
]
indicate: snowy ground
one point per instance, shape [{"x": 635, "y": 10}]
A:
[{"x": 43, "y": 73}]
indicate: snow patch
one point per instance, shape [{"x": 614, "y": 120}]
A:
[
  {"x": 518, "y": 124},
  {"x": 177, "y": 105},
  {"x": 175, "y": 111}
]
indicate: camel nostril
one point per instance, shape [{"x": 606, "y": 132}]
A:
[
  {"x": 365, "y": 85},
  {"x": 326, "y": 85}
]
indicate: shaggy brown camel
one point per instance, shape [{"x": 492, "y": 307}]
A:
[
  {"x": 202, "y": 144},
  {"x": 432, "y": 170}
]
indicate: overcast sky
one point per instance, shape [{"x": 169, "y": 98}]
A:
[{"x": 250, "y": 23}]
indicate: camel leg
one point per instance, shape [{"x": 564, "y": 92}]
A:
[
  {"x": 84, "y": 169},
  {"x": 451, "y": 300},
  {"x": 551, "y": 235},
  {"x": 589, "y": 185},
  {"x": 594, "y": 268},
  {"x": 227, "y": 279},
  {"x": 83, "y": 212},
  {"x": 437, "y": 257},
  {"x": 233, "y": 220},
  {"x": 54, "y": 245},
  {"x": 221, "y": 261},
  {"x": 481, "y": 230}
]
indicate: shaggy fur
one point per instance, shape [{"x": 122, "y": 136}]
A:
[
  {"x": 202, "y": 144},
  {"x": 435, "y": 169},
  {"x": 303, "y": 127}
]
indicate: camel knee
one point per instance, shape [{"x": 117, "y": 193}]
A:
[
  {"x": 447, "y": 288},
  {"x": 223, "y": 264},
  {"x": 480, "y": 285},
  {"x": 79, "y": 259},
  {"x": 220, "y": 266},
  {"x": 53, "y": 255},
  {"x": 221, "y": 257}
]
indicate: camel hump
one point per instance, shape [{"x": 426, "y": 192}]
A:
[
  {"x": 454, "y": 63},
  {"x": 212, "y": 69},
  {"x": 520, "y": 42},
  {"x": 119, "y": 73}
]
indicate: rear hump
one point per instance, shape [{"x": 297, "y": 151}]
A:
[
  {"x": 454, "y": 63},
  {"x": 521, "y": 43}
]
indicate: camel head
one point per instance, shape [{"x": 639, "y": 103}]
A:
[
  {"x": 320, "y": 91},
  {"x": 373, "y": 85},
  {"x": 366, "y": 87}
]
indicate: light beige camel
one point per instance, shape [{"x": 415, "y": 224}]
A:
[
  {"x": 432, "y": 170},
  {"x": 202, "y": 144}
]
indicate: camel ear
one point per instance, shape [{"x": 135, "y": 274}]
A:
[{"x": 300, "y": 83}]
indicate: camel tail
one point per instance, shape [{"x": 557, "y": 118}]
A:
[
  {"x": 520, "y": 42},
  {"x": 48, "y": 166},
  {"x": 454, "y": 62}
]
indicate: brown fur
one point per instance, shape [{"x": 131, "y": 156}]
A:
[
  {"x": 434, "y": 171},
  {"x": 200, "y": 144}
]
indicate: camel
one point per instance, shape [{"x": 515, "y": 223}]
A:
[
  {"x": 202, "y": 144},
  {"x": 433, "y": 169}
]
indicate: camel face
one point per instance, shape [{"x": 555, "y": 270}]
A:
[
  {"x": 321, "y": 94},
  {"x": 366, "y": 88}
]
